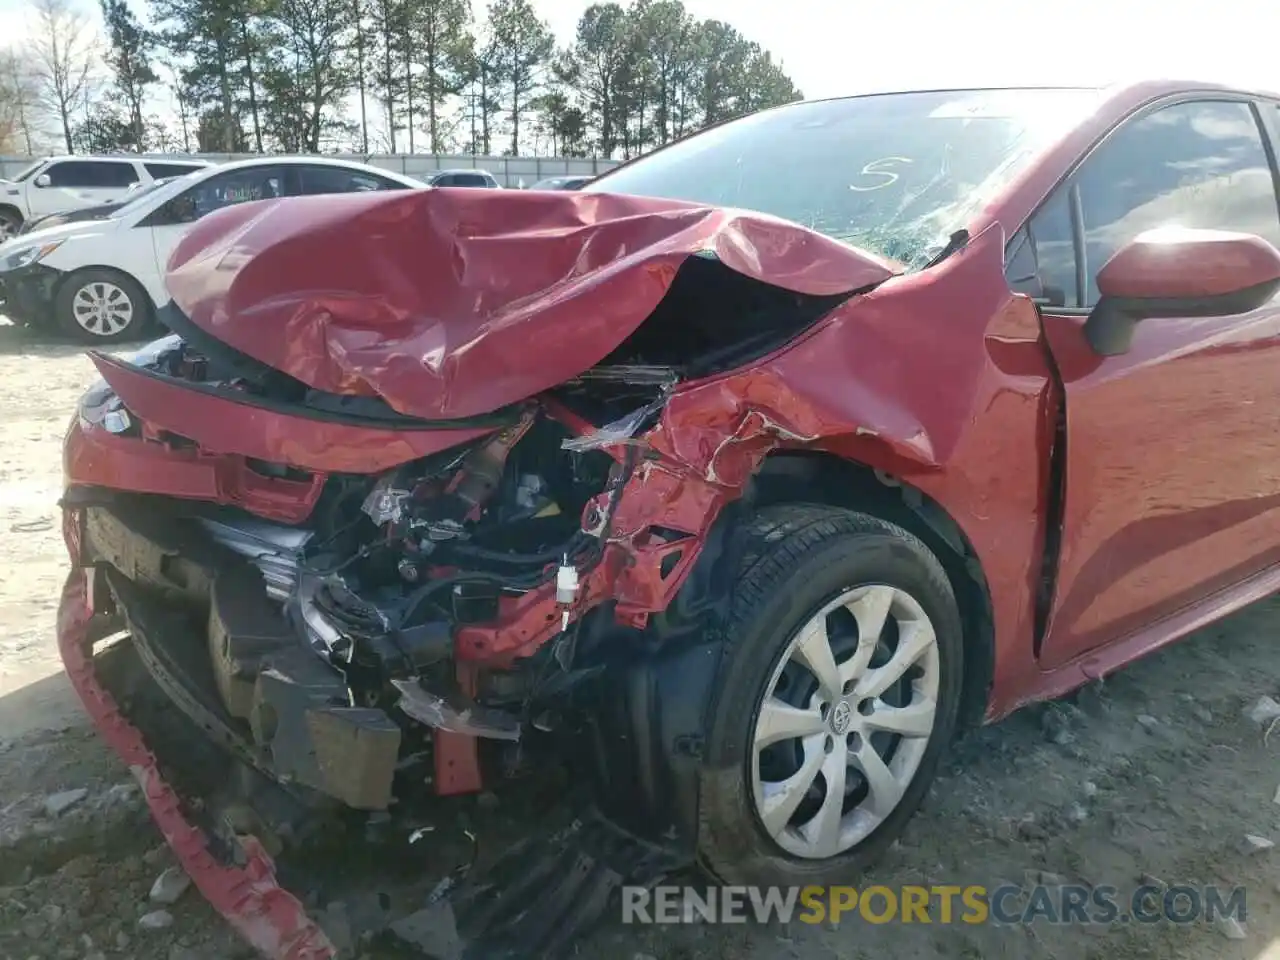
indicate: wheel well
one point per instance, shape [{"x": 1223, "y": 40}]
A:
[
  {"x": 815, "y": 476},
  {"x": 10, "y": 208},
  {"x": 106, "y": 269}
]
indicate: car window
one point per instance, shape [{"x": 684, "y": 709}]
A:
[
  {"x": 28, "y": 171},
  {"x": 91, "y": 173},
  {"x": 463, "y": 180},
  {"x": 1054, "y": 251},
  {"x": 1200, "y": 164},
  {"x": 162, "y": 170},
  {"x": 317, "y": 179},
  {"x": 227, "y": 189}
]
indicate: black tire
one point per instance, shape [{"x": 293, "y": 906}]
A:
[
  {"x": 64, "y": 306},
  {"x": 797, "y": 558},
  {"x": 10, "y": 223}
]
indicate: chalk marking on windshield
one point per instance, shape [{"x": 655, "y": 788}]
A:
[{"x": 872, "y": 170}]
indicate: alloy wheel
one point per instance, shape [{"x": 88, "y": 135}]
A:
[{"x": 844, "y": 721}]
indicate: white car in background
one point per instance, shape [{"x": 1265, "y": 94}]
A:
[
  {"x": 100, "y": 281},
  {"x": 59, "y": 184}
]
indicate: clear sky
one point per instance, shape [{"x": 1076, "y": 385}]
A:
[{"x": 831, "y": 47}]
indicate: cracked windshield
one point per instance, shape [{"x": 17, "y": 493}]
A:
[{"x": 895, "y": 174}]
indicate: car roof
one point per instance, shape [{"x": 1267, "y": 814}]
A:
[
  {"x": 130, "y": 158},
  {"x": 441, "y": 173},
  {"x": 292, "y": 160},
  {"x": 164, "y": 192},
  {"x": 1150, "y": 88}
]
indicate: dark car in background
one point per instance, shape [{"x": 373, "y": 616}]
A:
[
  {"x": 562, "y": 183},
  {"x": 464, "y": 178}
]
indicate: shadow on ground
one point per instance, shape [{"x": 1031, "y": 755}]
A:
[{"x": 1154, "y": 776}]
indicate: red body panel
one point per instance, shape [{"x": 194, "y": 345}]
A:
[
  {"x": 1171, "y": 462},
  {"x": 224, "y": 426},
  {"x": 97, "y": 458},
  {"x": 453, "y": 303}
]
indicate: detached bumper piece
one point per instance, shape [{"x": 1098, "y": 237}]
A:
[
  {"x": 536, "y": 900},
  {"x": 245, "y": 892}
]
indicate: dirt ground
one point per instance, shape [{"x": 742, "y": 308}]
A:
[{"x": 1156, "y": 773}]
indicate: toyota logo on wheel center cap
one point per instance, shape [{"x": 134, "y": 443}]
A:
[{"x": 841, "y": 714}]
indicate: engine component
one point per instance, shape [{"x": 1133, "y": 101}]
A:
[
  {"x": 302, "y": 715},
  {"x": 325, "y": 638},
  {"x": 481, "y": 470},
  {"x": 386, "y": 502},
  {"x": 274, "y": 549},
  {"x": 566, "y": 589}
]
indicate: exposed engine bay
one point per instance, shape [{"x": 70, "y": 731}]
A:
[{"x": 389, "y": 571}]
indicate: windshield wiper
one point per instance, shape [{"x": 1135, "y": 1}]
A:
[{"x": 957, "y": 242}]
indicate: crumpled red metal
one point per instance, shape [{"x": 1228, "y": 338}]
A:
[{"x": 454, "y": 303}]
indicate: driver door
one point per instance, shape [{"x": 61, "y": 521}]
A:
[{"x": 1172, "y": 452}]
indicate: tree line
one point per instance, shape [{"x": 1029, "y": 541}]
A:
[{"x": 376, "y": 75}]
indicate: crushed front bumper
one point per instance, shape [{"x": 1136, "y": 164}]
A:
[
  {"x": 246, "y": 893},
  {"x": 28, "y": 293}
]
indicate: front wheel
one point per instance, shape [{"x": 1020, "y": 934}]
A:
[
  {"x": 102, "y": 306},
  {"x": 10, "y": 223},
  {"x": 838, "y": 699}
]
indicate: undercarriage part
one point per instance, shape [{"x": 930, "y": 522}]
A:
[
  {"x": 532, "y": 902},
  {"x": 536, "y": 900}
]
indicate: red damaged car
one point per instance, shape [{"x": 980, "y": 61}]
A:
[{"x": 733, "y": 484}]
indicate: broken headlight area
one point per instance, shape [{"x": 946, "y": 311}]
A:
[{"x": 340, "y": 634}]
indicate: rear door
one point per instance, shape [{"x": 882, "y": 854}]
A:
[{"x": 1172, "y": 455}]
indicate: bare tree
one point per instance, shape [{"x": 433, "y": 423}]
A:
[
  {"x": 20, "y": 127},
  {"x": 64, "y": 51}
]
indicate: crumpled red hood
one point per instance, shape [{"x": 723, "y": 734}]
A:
[{"x": 453, "y": 303}]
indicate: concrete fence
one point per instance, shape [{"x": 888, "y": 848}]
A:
[{"x": 509, "y": 171}]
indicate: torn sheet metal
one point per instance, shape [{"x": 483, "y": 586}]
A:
[
  {"x": 454, "y": 303},
  {"x": 622, "y": 430}
]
